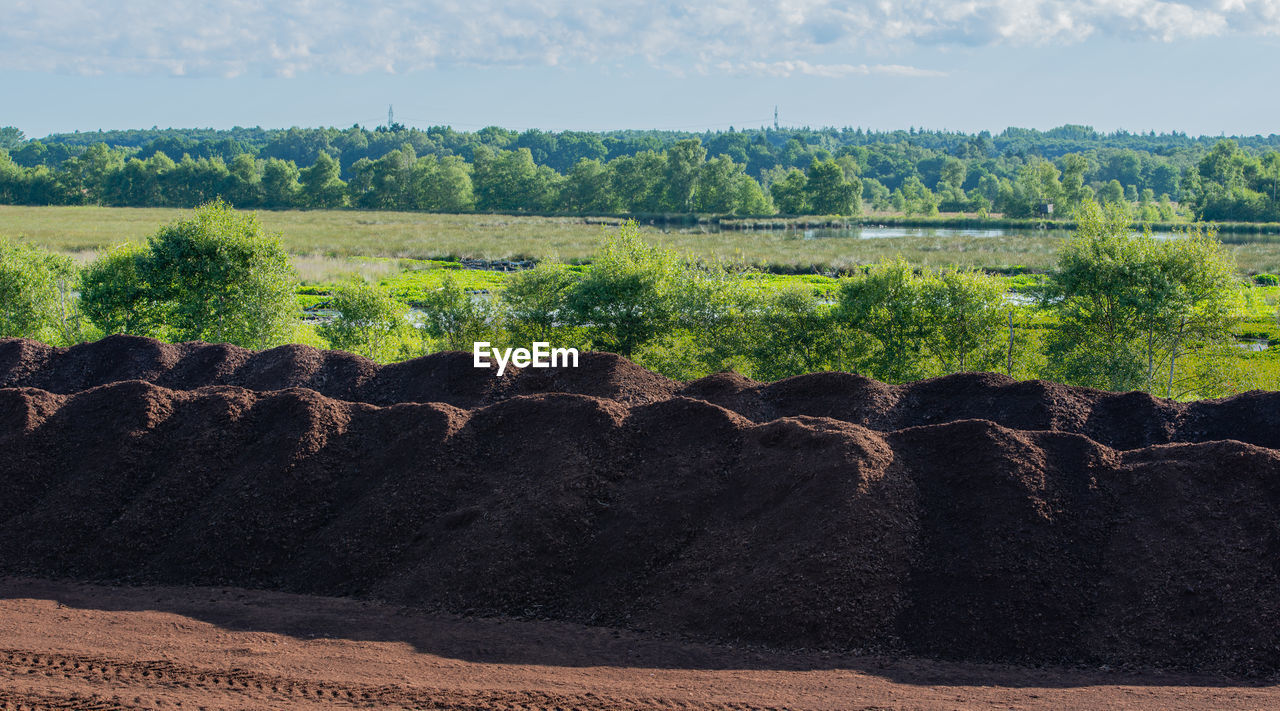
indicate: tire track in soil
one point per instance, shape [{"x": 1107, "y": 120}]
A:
[{"x": 104, "y": 683}]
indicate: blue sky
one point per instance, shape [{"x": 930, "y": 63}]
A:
[{"x": 1200, "y": 67}]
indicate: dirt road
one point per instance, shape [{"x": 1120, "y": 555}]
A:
[{"x": 72, "y": 645}]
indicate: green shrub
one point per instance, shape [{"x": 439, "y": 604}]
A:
[
  {"x": 116, "y": 298},
  {"x": 886, "y": 308},
  {"x": 792, "y": 333},
  {"x": 1266, "y": 280},
  {"x": 966, "y": 319},
  {"x": 453, "y": 320},
  {"x": 36, "y": 295},
  {"x": 1129, "y": 307},
  {"x": 626, "y": 299},
  {"x": 369, "y": 322},
  {"x": 536, "y": 302},
  {"x": 220, "y": 278}
]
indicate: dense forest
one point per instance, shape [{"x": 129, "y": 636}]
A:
[{"x": 1019, "y": 172}]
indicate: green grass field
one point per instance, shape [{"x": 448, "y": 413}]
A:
[{"x": 324, "y": 241}]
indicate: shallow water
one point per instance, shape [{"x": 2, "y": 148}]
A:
[{"x": 896, "y": 232}]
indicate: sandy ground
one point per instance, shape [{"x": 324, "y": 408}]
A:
[{"x": 73, "y": 645}]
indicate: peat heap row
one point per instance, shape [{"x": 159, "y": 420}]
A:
[
  {"x": 966, "y": 517},
  {"x": 1118, "y": 420}
]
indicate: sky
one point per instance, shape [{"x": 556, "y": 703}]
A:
[{"x": 1206, "y": 68}]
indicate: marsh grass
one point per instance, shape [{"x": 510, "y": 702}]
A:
[
  {"x": 343, "y": 234},
  {"x": 350, "y": 233},
  {"x": 323, "y": 269}
]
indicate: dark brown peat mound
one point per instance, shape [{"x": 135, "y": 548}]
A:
[{"x": 968, "y": 517}]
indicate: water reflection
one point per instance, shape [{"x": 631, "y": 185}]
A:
[{"x": 886, "y": 232}]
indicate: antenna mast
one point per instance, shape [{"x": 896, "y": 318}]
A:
[
  {"x": 391, "y": 117},
  {"x": 775, "y": 117}
]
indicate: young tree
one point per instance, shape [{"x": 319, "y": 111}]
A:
[
  {"x": 84, "y": 178},
  {"x": 750, "y": 199},
  {"x": 536, "y": 302},
  {"x": 1221, "y": 185},
  {"x": 965, "y": 314},
  {"x": 222, "y": 279},
  {"x": 950, "y": 185},
  {"x": 916, "y": 198},
  {"x": 875, "y": 194},
  {"x": 626, "y": 299},
  {"x": 511, "y": 181},
  {"x": 1129, "y": 306},
  {"x": 1074, "y": 192},
  {"x": 828, "y": 192},
  {"x": 792, "y": 333},
  {"x": 280, "y": 188},
  {"x": 1112, "y": 193},
  {"x": 383, "y": 183},
  {"x": 454, "y": 320},
  {"x": 36, "y": 298},
  {"x": 193, "y": 182},
  {"x": 711, "y": 306},
  {"x": 442, "y": 185},
  {"x": 637, "y": 181},
  {"x": 244, "y": 181},
  {"x": 684, "y": 163},
  {"x": 115, "y": 297},
  {"x": 322, "y": 185},
  {"x": 717, "y": 186},
  {"x": 370, "y": 322},
  {"x": 1037, "y": 185},
  {"x": 886, "y": 306},
  {"x": 790, "y": 195},
  {"x": 586, "y": 189},
  {"x": 11, "y": 138},
  {"x": 951, "y": 174}
]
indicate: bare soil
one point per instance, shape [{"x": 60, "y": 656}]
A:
[{"x": 66, "y": 645}]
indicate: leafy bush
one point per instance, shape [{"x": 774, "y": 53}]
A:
[
  {"x": 1266, "y": 280},
  {"x": 453, "y": 320},
  {"x": 1128, "y": 306},
  {"x": 885, "y": 307},
  {"x": 116, "y": 298},
  {"x": 369, "y": 323},
  {"x": 792, "y": 333},
  {"x": 36, "y": 295},
  {"x": 627, "y": 298},
  {"x": 537, "y": 302},
  {"x": 215, "y": 277},
  {"x": 220, "y": 278},
  {"x": 965, "y": 314}
]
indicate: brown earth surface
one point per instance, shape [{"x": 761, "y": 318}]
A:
[
  {"x": 68, "y": 645},
  {"x": 970, "y": 517}
]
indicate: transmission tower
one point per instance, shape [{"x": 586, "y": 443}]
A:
[
  {"x": 775, "y": 117},
  {"x": 391, "y": 117}
]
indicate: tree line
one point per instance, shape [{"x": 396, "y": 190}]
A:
[
  {"x": 1120, "y": 311},
  {"x": 1019, "y": 173}
]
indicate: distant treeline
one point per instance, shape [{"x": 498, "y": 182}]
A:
[{"x": 1019, "y": 173}]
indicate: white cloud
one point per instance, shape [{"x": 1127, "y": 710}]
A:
[
  {"x": 774, "y": 37},
  {"x": 789, "y": 67}
]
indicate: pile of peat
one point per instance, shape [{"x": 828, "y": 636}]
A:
[{"x": 966, "y": 517}]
